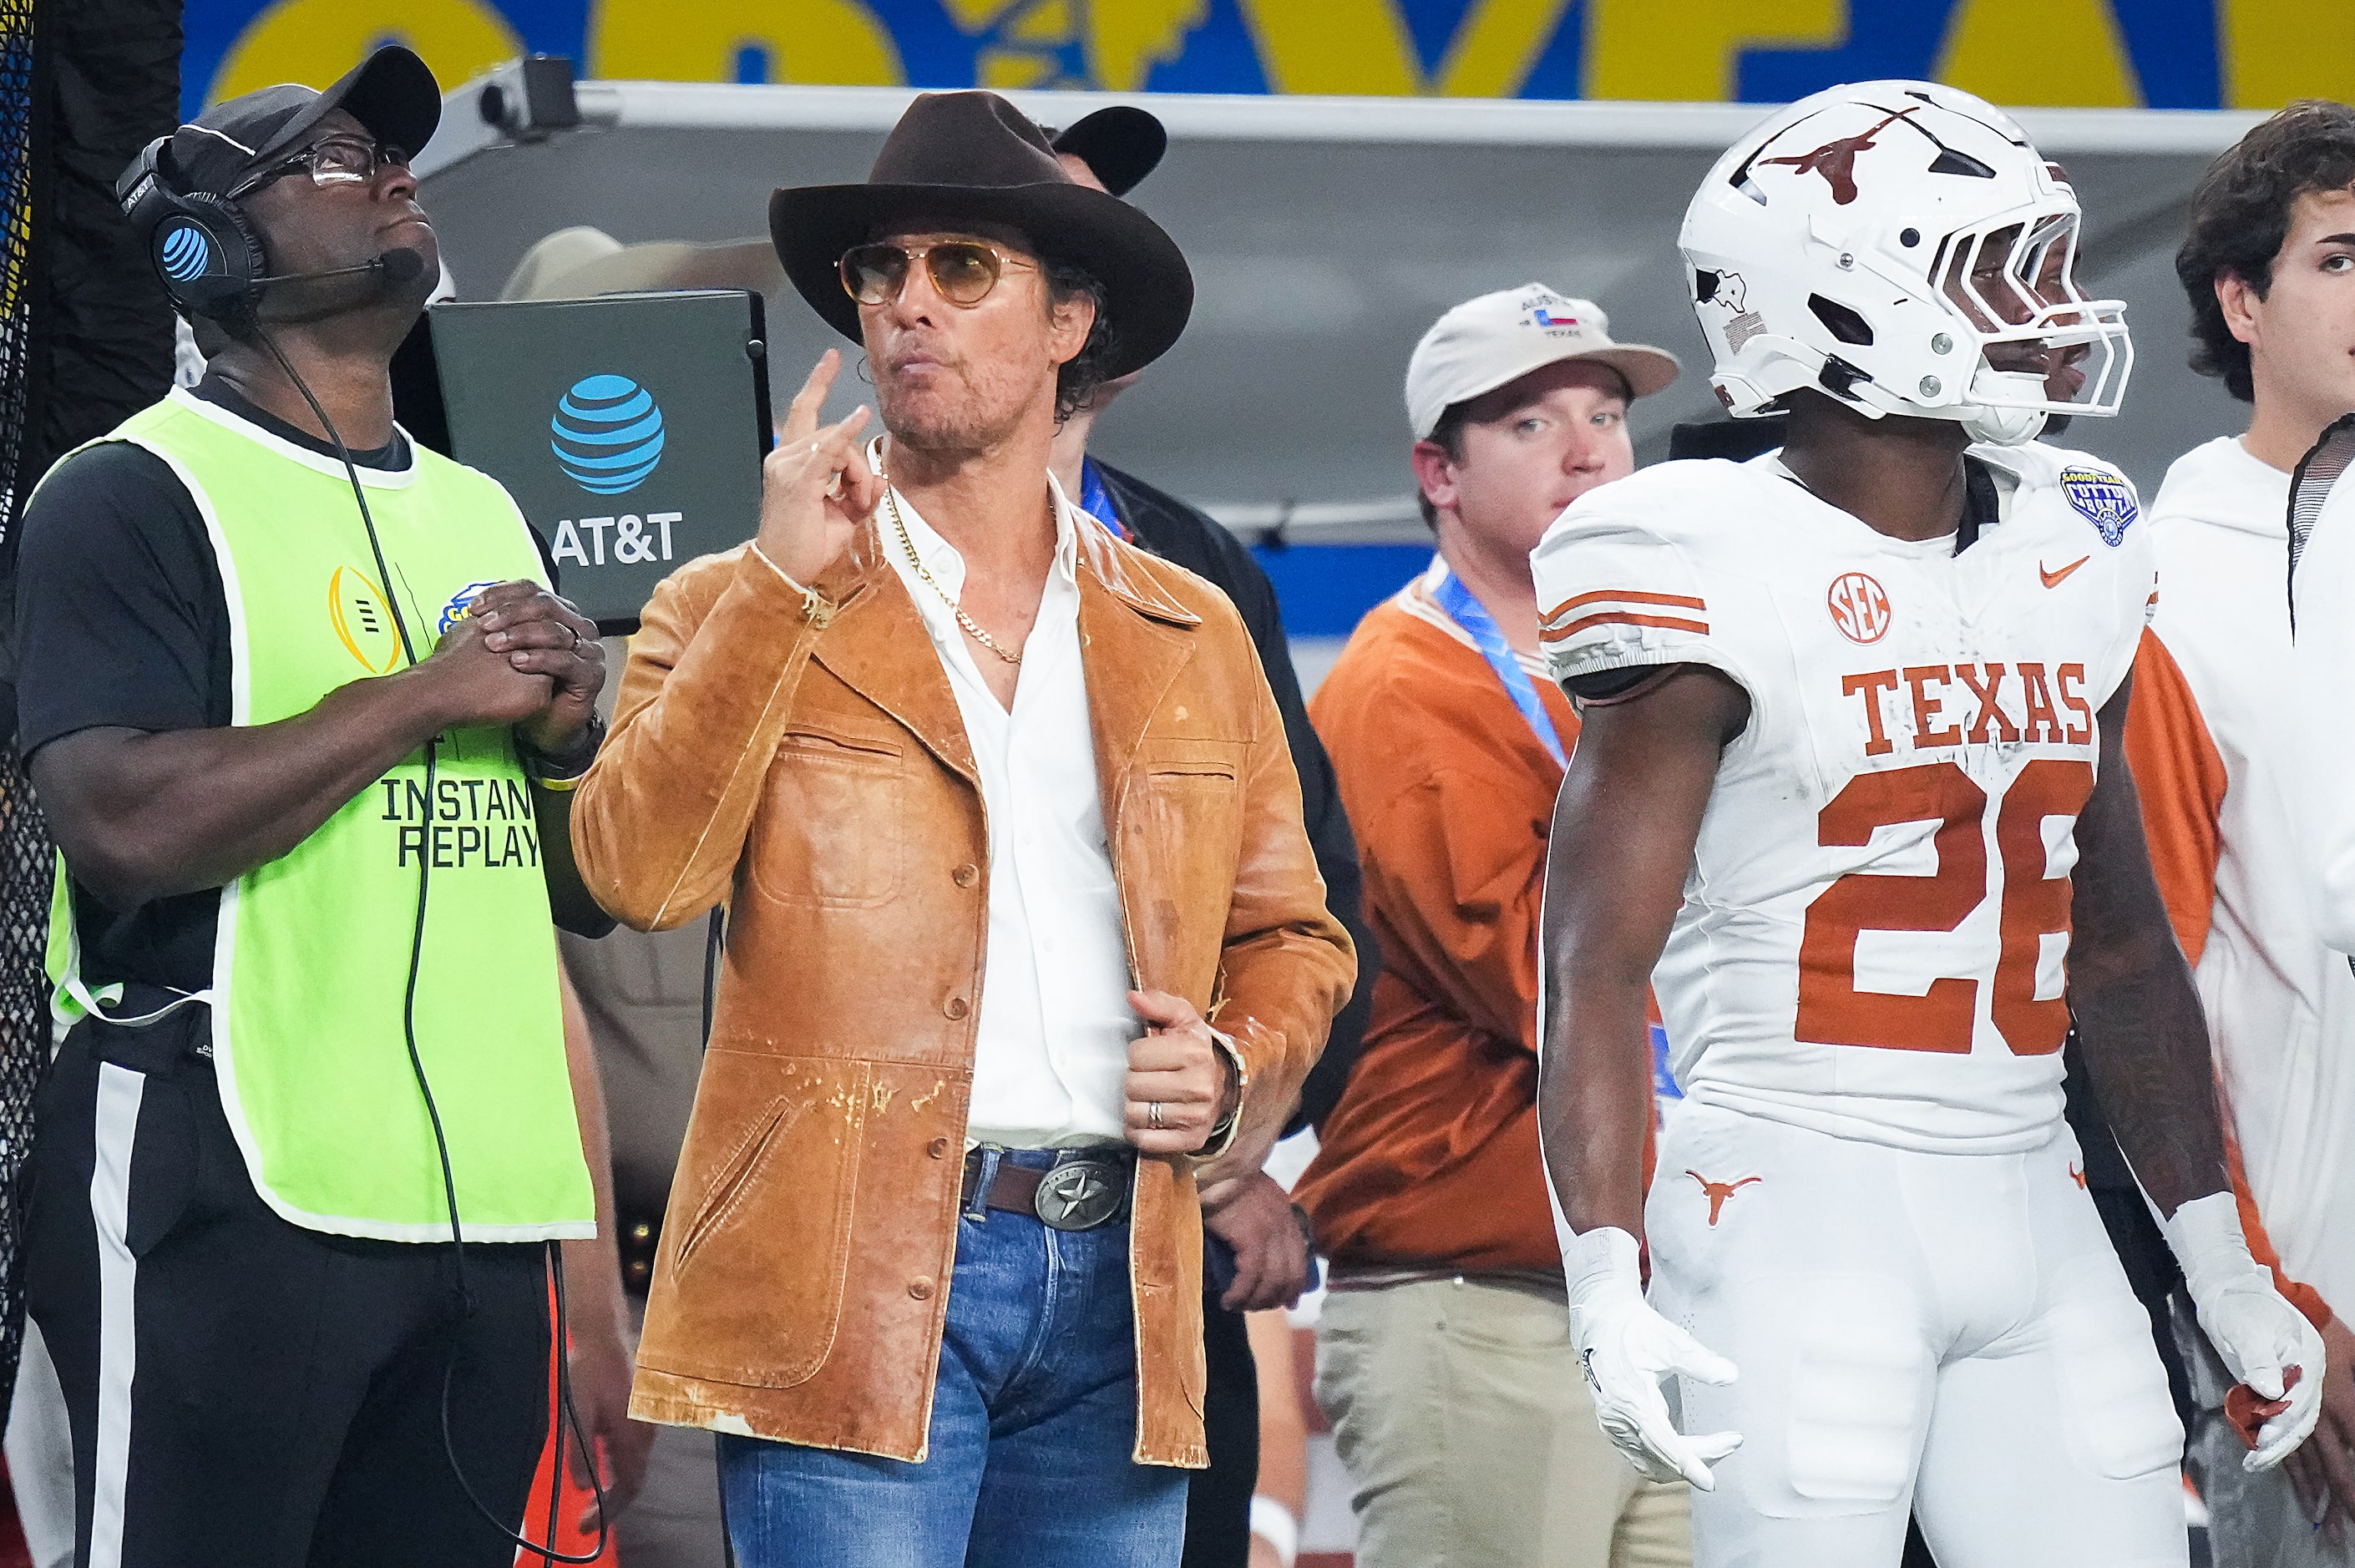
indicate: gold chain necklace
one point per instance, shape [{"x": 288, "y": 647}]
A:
[{"x": 973, "y": 628}]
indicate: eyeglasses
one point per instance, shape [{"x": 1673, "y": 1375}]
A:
[
  {"x": 963, "y": 270},
  {"x": 331, "y": 161}
]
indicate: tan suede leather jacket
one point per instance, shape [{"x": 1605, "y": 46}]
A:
[{"x": 801, "y": 756}]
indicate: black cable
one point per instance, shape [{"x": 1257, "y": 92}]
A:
[{"x": 568, "y": 1415}]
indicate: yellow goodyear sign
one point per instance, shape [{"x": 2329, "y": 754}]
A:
[{"x": 2173, "y": 54}]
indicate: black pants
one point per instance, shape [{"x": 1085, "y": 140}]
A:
[
  {"x": 1218, "y": 1500},
  {"x": 245, "y": 1391}
]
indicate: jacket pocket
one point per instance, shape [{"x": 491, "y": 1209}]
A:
[
  {"x": 1181, "y": 840},
  {"x": 766, "y": 1191},
  {"x": 828, "y": 831},
  {"x": 1191, "y": 790},
  {"x": 734, "y": 1176}
]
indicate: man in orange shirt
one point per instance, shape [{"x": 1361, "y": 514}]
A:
[{"x": 1444, "y": 1357}]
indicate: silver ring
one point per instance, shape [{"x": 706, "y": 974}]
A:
[{"x": 1152, "y": 1113}]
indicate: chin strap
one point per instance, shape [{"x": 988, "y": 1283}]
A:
[{"x": 2005, "y": 425}]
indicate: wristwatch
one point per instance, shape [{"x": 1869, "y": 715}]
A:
[{"x": 563, "y": 771}]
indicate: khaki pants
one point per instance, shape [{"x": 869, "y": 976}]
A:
[{"x": 1470, "y": 1439}]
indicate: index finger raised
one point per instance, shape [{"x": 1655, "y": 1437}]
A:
[{"x": 801, "y": 415}]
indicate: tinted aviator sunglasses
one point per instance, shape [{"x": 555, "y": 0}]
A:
[{"x": 963, "y": 270}]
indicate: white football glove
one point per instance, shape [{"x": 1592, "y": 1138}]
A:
[
  {"x": 1625, "y": 1348},
  {"x": 2256, "y": 1333}
]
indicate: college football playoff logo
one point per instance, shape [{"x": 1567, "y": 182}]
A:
[{"x": 362, "y": 619}]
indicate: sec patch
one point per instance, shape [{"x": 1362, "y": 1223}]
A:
[{"x": 2103, "y": 499}]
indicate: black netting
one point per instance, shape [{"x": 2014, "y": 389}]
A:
[
  {"x": 2310, "y": 487},
  {"x": 25, "y": 854},
  {"x": 27, "y": 869}
]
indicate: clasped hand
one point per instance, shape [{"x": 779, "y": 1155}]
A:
[{"x": 519, "y": 656}]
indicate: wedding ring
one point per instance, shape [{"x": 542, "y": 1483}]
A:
[{"x": 1152, "y": 1113}]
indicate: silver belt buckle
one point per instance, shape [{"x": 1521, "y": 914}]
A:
[{"x": 1081, "y": 1195}]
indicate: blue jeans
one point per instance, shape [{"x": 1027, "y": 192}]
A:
[{"x": 1033, "y": 1423}]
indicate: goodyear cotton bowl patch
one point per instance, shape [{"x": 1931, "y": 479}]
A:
[
  {"x": 461, "y": 605},
  {"x": 2104, "y": 499}
]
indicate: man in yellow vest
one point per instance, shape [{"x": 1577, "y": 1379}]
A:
[{"x": 305, "y": 716}]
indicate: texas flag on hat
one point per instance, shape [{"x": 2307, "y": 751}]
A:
[{"x": 1482, "y": 344}]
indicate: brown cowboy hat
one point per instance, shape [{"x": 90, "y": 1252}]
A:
[
  {"x": 972, "y": 157},
  {"x": 1122, "y": 145}
]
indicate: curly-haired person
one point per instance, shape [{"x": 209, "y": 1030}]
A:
[{"x": 2269, "y": 269}]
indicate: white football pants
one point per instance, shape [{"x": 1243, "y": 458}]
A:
[{"x": 1945, "y": 1334}]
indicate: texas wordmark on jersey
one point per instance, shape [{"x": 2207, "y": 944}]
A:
[{"x": 1874, "y": 926}]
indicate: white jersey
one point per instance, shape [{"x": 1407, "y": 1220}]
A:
[{"x": 1874, "y": 926}]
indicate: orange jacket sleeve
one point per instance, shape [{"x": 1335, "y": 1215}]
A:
[{"x": 2181, "y": 778}]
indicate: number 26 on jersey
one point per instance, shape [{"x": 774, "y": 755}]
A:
[{"x": 1833, "y": 1011}]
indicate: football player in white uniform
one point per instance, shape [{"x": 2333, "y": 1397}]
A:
[{"x": 1852, "y": 775}]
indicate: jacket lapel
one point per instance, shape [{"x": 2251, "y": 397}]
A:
[
  {"x": 1133, "y": 641},
  {"x": 877, "y": 646}
]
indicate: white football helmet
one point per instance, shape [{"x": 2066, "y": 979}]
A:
[{"x": 1901, "y": 246}]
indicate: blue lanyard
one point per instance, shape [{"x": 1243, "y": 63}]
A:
[
  {"x": 1096, "y": 500},
  {"x": 1473, "y": 616}
]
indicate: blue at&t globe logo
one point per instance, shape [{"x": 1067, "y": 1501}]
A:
[
  {"x": 607, "y": 434},
  {"x": 186, "y": 252}
]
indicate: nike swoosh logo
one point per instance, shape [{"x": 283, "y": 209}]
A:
[{"x": 2054, "y": 579}]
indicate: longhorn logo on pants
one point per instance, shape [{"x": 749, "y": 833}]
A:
[{"x": 1718, "y": 1191}]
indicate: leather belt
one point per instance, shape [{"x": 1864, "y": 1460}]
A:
[{"x": 1085, "y": 1187}]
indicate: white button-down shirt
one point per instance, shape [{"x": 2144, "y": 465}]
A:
[{"x": 1055, "y": 1024}]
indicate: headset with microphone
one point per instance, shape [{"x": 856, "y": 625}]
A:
[
  {"x": 211, "y": 264},
  {"x": 205, "y": 249}
]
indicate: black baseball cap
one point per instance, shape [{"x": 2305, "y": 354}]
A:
[
  {"x": 1122, "y": 145},
  {"x": 392, "y": 93}
]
